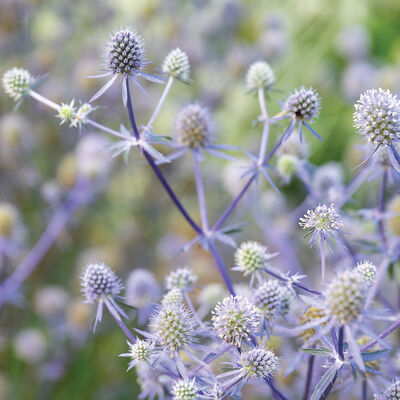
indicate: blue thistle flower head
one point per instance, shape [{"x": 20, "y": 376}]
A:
[
  {"x": 17, "y": 82},
  {"x": 258, "y": 363},
  {"x": 185, "y": 389},
  {"x": 176, "y": 64},
  {"x": 173, "y": 298},
  {"x": 391, "y": 393},
  {"x": 267, "y": 298},
  {"x": 367, "y": 271},
  {"x": 303, "y": 104},
  {"x": 182, "y": 278},
  {"x": 142, "y": 351}
]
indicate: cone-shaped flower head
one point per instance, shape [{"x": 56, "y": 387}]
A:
[
  {"x": 173, "y": 298},
  {"x": 99, "y": 281},
  {"x": 173, "y": 327},
  {"x": 345, "y": 296},
  {"x": 185, "y": 389},
  {"x": 124, "y": 53},
  {"x": 367, "y": 270},
  {"x": 16, "y": 82},
  {"x": 258, "y": 363},
  {"x": 235, "y": 318},
  {"x": 260, "y": 75},
  {"x": 268, "y": 298},
  {"x": 303, "y": 104},
  {"x": 391, "y": 393},
  {"x": 377, "y": 116},
  {"x": 182, "y": 278},
  {"x": 176, "y": 64},
  {"x": 193, "y": 126}
]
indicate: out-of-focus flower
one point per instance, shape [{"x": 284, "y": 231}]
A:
[
  {"x": 141, "y": 288},
  {"x": 182, "y": 278},
  {"x": 30, "y": 345},
  {"x": 394, "y": 220},
  {"x": 353, "y": 42},
  {"x": 176, "y": 64},
  {"x": 51, "y": 301},
  {"x": 260, "y": 75},
  {"x": 367, "y": 270}
]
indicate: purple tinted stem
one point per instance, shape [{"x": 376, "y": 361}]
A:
[
  {"x": 156, "y": 169},
  {"x": 381, "y": 208},
  {"x": 200, "y": 193},
  {"x": 340, "y": 343},
  {"x": 310, "y": 369},
  {"x": 385, "y": 333},
  {"x": 120, "y": 323}
]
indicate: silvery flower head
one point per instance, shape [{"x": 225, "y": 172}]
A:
[
  {"x": 327, "y": 180},
  {"x": 391, "y": 393},
  {"x": 367, "y": 271},
  {"x": 235, "y": 318},
  {"x": 260, "y": 75},
  {"x": 251, "y": 257},
  {"x": 17, "y": 82},
  {"x": 182, "y": 278},
  {"x": 141, "y": 351},
  {"x": 67, "y": 113},
  {"x": 345, "y": 297},
  {"x": 185, "y": 389},
  {"x": 267, "y": 298},
  {"x": 377, "y": 117},
  {"x": 173, "y": 298},
  {"x": 124, "y": 57},
  {"x": 173, "y": 327},
  {"x": 322, "y": 221},
  {"x": 176, "y": 64},
  {"x": 193, "y": 126},
  {"x": 302, "y": 106}
]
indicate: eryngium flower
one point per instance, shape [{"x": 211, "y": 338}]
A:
[
  {"x": 345, "y": 296},
  {"x": 67, "y": 113},
  {"x": 140, "y": 352},
  {"x": 258, "y": 363},
  {"x": 321, "y": 221},
  {"x": 176, "y": 64},
  {"x": 367, "y": 270},
  {"x": 268, "y": 298},
  {"x": 193, "y": 126},
  {"x": 303, "y": 104},
  {"x": 391, "y": 393},
  {"x": 17, "y": 82},
  {"x": 251, "y": 257},
  {"x": 141, "y": 288},
  {"x": 124, "y": 53},
  {"x": 99, "y": 281},
  {"x": 173, "y": 298},
  {"x": 173, "y": 327},
  {"x": 235, "y": 318},
  {"x": 185, "y": 389},
  {"x": 182, "y": 278},
  {"x": 260, "y": 75},
  {"x": 377, "y": 116}
]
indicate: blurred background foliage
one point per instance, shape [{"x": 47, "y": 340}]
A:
[{"x": 339, "y": 47}]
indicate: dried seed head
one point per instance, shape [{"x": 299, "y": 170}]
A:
[
  {"x": 235, "y": 319},
  {"x": 185, "y": 389},
  {"x": 260, "y": 75},
  {"x": 345, "y": 296},
  {"x": 99, "y": 281},
  {"x": 258, "y": 363},
  {"x": 124, "y": 53},
  {"x": 303, "y": 104},
  {"x": 367, "y": 271},
  {"x": 193, "y": 126},
  {"x": 17, "y": 82},
  {"x": 377, "y": 116},
  {"x": 176, "y": 64},
  {"x": 182, "y": 278}
]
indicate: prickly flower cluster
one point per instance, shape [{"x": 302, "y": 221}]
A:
[
  {"x": 176, "y": 64},
  {"x": 67, "y": 113},
  {"x": 235, "y": 319},
  {"x": 345, "y": 297},
  {"x": 193, "y": 126},
  {"x": 182, "y": 278},
  {"x": 377, "y": 116},
  {"x": 173, "y": 298},
  {"x": 258, "y": 363},
  {"x": 367, "y": 270},
  {"x": 391, "y": 393},
  {"x": 185, "y": 389},
  {"x": 139, "y": 352},
  {"x": 303, "y": 104},
  {"x": 17, "y": 82},
  {"x": 100, "y": 281},
  {"x": 267, "y": 298},
  {"x": 260, "y": 75}
]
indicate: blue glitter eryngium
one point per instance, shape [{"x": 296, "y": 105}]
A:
[
  {"x": 391, "y": 393},
  {"x": 17, "y": 82}
]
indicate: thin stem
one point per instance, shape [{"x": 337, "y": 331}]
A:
[
  {"x": 156, "y": 169},
  {"x": 192, "y": 309},
  {"x": 364, "y": 391},
  {"x": 381, "y": 208},
  {"x": 200, "y": 193},
  {"x": 310, "y": 368},
  {"x": 379, "y": 278},
  {"x": 323, "y": 262},
  {"x": 340, "y": 343},
  {"x": 221, "y": 266},
  {"x": 329, "y": 388},
  {"x": 44, "y": 100},
  {"x": 161, "y": 102},
  {"x": 275, "y": 148},
  {"x": 120, "y": 323},
  {"x": 266, "y": 125},
  {"x": 385, "y": 333},
  {"x": 209, "y": 360},
  {"x": 42, "y": 246}
]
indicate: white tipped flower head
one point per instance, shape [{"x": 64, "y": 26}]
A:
[
  {"x": 251, "y": 258},
  {"x": 67, "y": 113},
  {"x": 185, "y": 389},
  {"x": 303, "y": 104},
  {"x": 81, "y": 115},
  {"x": 124, "y": 53},
  {"x": 367, "y": 271},
  {"x": 182, "y": 278},
  {"x": 173, "y": 298},
  {"x": 391, "y": 393},
  {"x": 258, "y": 363},
  {"x": 173, "y": 327},
  {"x": 193, "y": 126},
  {"x": 140, "y": 352},
  {"x": 268, "y": 298},
  {"x": 345, "y": 297},
  {"x": 176, "y": 64},
  {"x": 377, "y": 116},
  {"x": 100, "y": 282},
  {"x": 321, "y": 221},
  {"x": 260, "y": 75},
  {"x": 235, "y": 318},
  {"x": 17, "y": 82}
]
